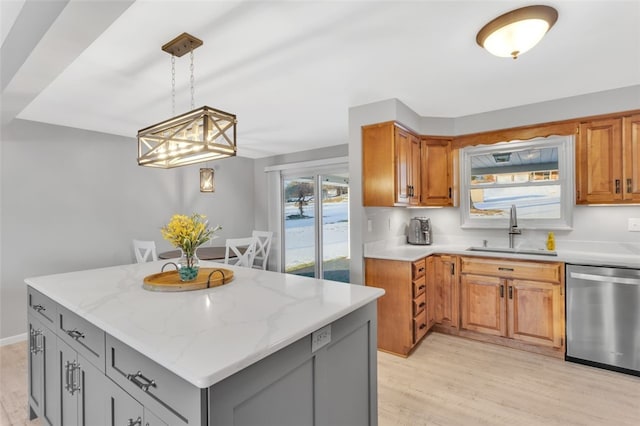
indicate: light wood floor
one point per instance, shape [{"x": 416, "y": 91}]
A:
[{"x": 448, "y": 380}]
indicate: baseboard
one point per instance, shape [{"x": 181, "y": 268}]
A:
[{"x": 13, "y": 339}]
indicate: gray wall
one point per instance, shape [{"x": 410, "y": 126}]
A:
[
  {"x": 590, "y": 223},
  {"x": 74, "y": 199}
]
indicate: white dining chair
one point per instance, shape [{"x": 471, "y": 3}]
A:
[
  {"x": 244, "y": 250},
  {"x": 263, "y": 247},
  {"x": 145, "y": 251}
]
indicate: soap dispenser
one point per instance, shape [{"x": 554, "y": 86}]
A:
[{"x": 551, "y": 242}]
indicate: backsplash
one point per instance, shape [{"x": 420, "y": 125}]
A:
[{"x": 590, "y": 224}]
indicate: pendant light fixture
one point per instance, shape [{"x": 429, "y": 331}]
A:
[
  {"x": 196, "y": 136},
  {"x": 207, "y": 182},
  {"x": 515, "y": 32}
]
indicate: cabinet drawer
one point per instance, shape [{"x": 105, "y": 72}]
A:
[
  {"x": 419, "y": 303},
  {"x": 44, "y": 308},
  {"x": 418, "y": 269},
  {"x": 419, "y": 286},
  {"x": 539, "y": 271},
  {"x": 419, "y": 326},
  {"x": 158, "y": 389},
  {"x": 82, "y": 336}
]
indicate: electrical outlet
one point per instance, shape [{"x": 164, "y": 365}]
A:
[
  {"x": 320, "y": 338},
  {"x": 634, "y": 224}
]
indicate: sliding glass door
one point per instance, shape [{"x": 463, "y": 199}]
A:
[{"x": 316, "y": 225}]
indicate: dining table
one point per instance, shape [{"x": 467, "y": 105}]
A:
[{"x": 203, "y": 253}]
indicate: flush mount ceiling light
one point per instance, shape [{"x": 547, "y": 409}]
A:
[
  {"x": 199, "y": 135},
  {"x": 517, "y": 31}
]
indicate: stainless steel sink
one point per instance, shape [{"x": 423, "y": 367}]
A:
[{"x": 542, "y": 252}]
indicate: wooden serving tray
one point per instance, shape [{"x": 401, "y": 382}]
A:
[{"x": 170, "y": 280}]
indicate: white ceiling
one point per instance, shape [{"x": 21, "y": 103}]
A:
[{"x": 290, "y": 70}]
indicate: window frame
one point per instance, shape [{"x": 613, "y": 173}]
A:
[{"x": 566, "y": 168}]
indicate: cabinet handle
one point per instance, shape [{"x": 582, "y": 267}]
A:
[
  {"x": 35, "y": 337},
  {"x": 617, "y": 186},
  {"x": 510, "y": 292},
  {"x": 505, "y": 269},
  {"x": 72, "y": 382},
  {"x": 453, "y": 269},
  {"x": 421, "y": 305},
  {"x": 39, "y": 308},
  {"x": 138, "y": 379},
  {"x": 423, "y": 325},
  {"x": 75, "y": 334},
  {"x": 421, "y": 287},
  {"x": 449, "y": 192},
  {"x": 135, "y": 422},
  {"x": 628, "y": 186},
  {"x": 501, "y": 291}
]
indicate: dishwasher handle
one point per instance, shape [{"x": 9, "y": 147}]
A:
[{"x": 604, "y": 278}]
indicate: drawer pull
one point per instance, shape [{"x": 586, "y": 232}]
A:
[
  {"x": 421, "y": 305},
  {"x": 423, "y": 325},
  {"x": 135, "y": 422},
  {"x": 505, "y": 269},
  {"x": 39, "y": 308},
  {"x": 421, "y": 269},
  {"x": 421, "y": 287},
  {"x": 75, "y": 334},
  {"x": 139, "y": 380}
]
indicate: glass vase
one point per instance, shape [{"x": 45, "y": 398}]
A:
[{"x": 188, "y": 266}]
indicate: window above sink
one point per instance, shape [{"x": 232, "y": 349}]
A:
[{"x": 536, "y": 176}]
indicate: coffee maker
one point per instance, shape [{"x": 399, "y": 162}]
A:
[{"x": 419, "y": 231}]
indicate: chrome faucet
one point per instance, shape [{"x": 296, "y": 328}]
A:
[{"x": 513, "y": 225}]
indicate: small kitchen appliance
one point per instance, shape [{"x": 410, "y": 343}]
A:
[{"x": 419, "y": 231}]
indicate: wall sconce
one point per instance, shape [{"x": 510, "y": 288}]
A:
[{"x": 207, "y": 182}]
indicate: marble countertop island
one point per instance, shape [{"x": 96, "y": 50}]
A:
[{"x": 206, "y": 335}]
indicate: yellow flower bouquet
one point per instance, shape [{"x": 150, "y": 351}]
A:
[{"x": 188, "y": 233}]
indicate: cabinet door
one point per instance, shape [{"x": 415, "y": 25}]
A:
[
  {"x": 631, "y": 148},
  {"x": 151, "y": 419},
  {"x": 436, "y": 172},
  {"x": 536, "y": 312},
  {"x": 447, "y": 298},
  {"x": 69, "y": 384},
  {"x": 403, "y": 165},
  {"x": 92, "y": 395},
  {"x": 431, "y": 293},
  {"x": 483, "y": 304},
  {"x": 599, "y": 162},
  {"x": 50, "y": 379},
  {"x": 414, "y": 178},
  {"x": 122, "y": 408}
]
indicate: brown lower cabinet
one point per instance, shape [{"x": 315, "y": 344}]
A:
[
  {"x": 403, "y": 312},
  {"x": 505, "y": 301},
  {"x": 518, "y": 300}
]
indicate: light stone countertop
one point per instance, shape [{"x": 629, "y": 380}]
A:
[
  {"x": 205, "y": 335},
  {"x": 583, "y": 253}
]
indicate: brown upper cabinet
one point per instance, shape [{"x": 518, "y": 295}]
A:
[
  {"x": 436, "y": 172},
  {"x": 390, "y": 166},
  {"x": 608, "y": 161}
]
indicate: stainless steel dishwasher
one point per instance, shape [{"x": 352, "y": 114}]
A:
[{"x": 603, "y": 317}]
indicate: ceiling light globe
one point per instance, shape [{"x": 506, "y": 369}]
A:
[{"x": 516, "y": 32}]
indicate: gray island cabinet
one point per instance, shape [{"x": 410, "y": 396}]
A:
[{"x": 265, "y": 349}]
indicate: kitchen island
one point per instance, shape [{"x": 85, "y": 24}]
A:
[{"x": 267, "y": 348}]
